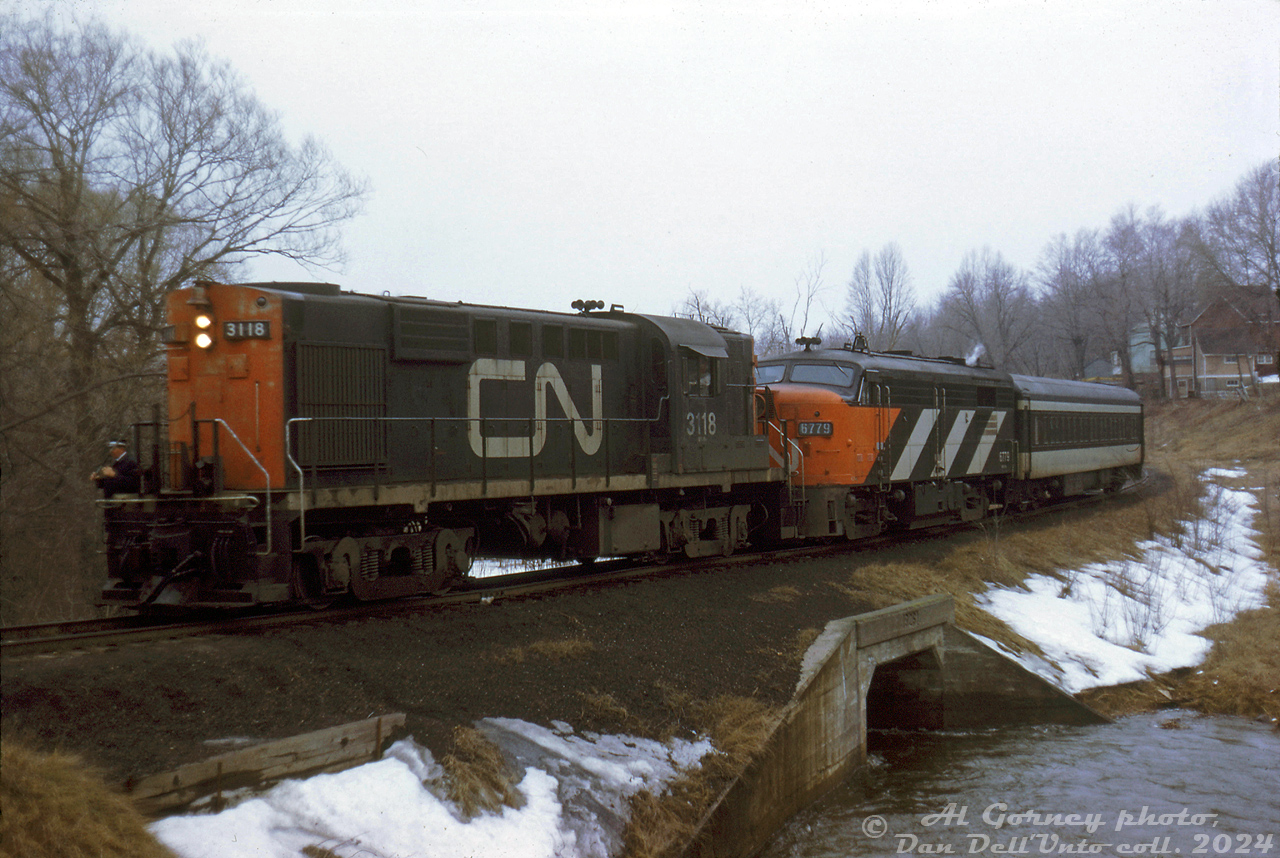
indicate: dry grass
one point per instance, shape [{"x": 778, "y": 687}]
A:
[
  {"x": 601, "y": 707},
  {"x": 791, "y": 652},
  {"x": 886, "y": 584},
  {"x": 1130, "y": 697},
  {"x": 53, "y": 805},
  {"x": 782, "y": 593},
  {"x": 1241, "y": 676},
  {"x": 549, "y": 650},
  {"x": 739, "y": 728},
  {"x": 478, "y": 777},
  {"x": 1214, "y": 431}
]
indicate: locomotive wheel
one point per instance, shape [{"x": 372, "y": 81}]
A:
[{"x": 308, "y": 584}]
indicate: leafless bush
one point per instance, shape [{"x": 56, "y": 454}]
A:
[{"x": 1146, "y": 609}]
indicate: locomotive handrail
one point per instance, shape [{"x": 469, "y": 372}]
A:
[
  {"x": 265, "y": 473},
  {"x": 250, "y": 502},
  {"x": 302, "y": 497},
  {"x": 799, "y": 455},
  {"x": 484, "y": 457}
]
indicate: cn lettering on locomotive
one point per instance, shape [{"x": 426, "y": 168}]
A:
[
  {"x": 330, "y": 444},
  {"x": 588, "y": 432}
]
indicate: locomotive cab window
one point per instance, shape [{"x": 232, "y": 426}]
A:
[
  {"x": 832, "y": 375},
  {"x": 701, "y": 375},
  {"x": 771, "y": 374}
]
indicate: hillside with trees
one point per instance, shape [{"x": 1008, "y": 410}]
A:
[{"x": 1095, "y": 297}]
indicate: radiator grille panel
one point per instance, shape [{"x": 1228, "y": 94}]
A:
[{"x": 348, "y": 383}]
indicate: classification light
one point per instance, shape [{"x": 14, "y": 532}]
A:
[
  {"x": 203, "y": 340},
  {"x": 203, "y": 321}
]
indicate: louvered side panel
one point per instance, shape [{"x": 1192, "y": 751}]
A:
[{"x": 345, "y": 388}]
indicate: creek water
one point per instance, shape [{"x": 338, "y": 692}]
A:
[{"x": 1168, "y": 783}]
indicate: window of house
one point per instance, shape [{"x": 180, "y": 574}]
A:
[{"x": 1267, "y": 358}]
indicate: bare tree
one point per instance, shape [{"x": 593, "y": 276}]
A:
[
  {"x": 880, "y": 297},
  {"x": 1118, "y": 289},
  {"x": 702, "y": 307},
  {"x": 1237, "y": 240},
  {"x": 809, "y": 287},
  {"x": 128, "y": 173},
  {"x": 123, "y": 174},
  {"x": 990, "y": 302},
  {"x": 1069, "y": 272},
  {"x": 1167, "y": 287},
  {"x": 758, "y": 315}
]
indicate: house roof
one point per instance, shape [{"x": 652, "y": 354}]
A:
[
  {"x": 1227, "y": 342},
  {"x": 1250, "y": 303}
]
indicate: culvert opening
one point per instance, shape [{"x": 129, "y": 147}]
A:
[{"x": 906, "y": 694}]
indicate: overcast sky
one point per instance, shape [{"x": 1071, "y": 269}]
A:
[{"x": 533, "y": 153}]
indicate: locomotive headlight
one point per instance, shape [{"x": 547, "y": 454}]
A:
[
  {"x": 203, "y": 340},
  {"x": 203, "y": 321}
]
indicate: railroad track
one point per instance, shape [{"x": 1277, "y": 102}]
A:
[{"x": 48, "y": 638}]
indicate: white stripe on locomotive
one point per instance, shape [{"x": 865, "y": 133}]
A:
[
  {"x": 989, "y": 434},
  {"x": 955, "y": 438},
  {"x": 915, "y": 446}
]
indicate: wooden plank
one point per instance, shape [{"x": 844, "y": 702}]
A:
[{"x": 332, "y": 749}]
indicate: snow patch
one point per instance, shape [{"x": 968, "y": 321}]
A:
[
  {"x": 1119, "y": 621},
  {"x": 397, "y": 806}
]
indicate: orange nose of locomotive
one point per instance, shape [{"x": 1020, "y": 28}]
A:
[
  {"x": 225, "y": 376},
  {"x": 824, "y": 439}
]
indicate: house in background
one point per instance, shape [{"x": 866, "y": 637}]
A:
[{"x": 1230, "y": 348}]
